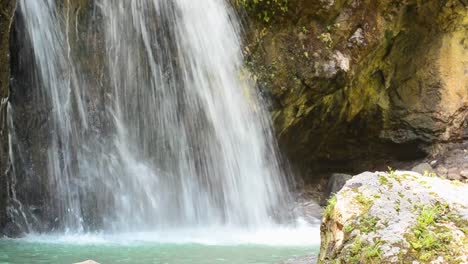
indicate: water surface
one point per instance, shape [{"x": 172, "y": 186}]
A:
[{"x": 143, "y": 249}]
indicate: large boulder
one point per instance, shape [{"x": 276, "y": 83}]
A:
[
  {"x": 396, "y": 217},
  {"x": 335, "y": 183},
  {"x": 356, "y": 84}
]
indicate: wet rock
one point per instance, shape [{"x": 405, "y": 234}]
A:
[
  {"x": 355, "y": 84},
  {"x": 442, "y": 171},
  {"x": 454, "y": 176},
  {"x": 87, "y": 262},
  {"x": 335, "y": 183},
  {"x": 464, "y": 174},
  {"x": 357, "y": 38},
  {"x": 396, "y": 217},
  {"x": 331, "y": 67},
  {"x": 301, "y": 260},
  {"x": 452, "y": 163},
  {"x": 423, "y": 168},
  {"x": 12, "y": 230},
  {"x": 310, "y": 211},
  {"x": 7, "y": 9}
]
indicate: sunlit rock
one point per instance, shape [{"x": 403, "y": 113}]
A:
[{"x": 394, "y": 217}]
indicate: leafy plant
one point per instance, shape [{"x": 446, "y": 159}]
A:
[
  {"x": 363, "y": 252},
  {"x": 428, "y": 238},
  {"x": 368, "y": 224},
  {"x": 384, "y": 181},
  {"x": 327, "y": 213},
  {"x": 364, "y": 201}
]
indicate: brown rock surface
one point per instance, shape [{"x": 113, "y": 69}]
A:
[{"x": 360, "y": 84}]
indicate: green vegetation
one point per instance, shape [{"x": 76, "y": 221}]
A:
[
  {"x": 392, "y": 174},
  {"x": 265, "y": 10},
  {"x": 430, "y": 174},
  {"x": 364, "y": 201},
  {"x": 367, "y": 224},
  {"x": 326, "y": 39},
  {"x": 348, "y": 229},
  {"x": 429, "y": 238},
  {"x": 384, "y": 181},
  {"x": 328, "y": 212},
  {"x": 397, "y": 205},
  {"x": 363, "y": 252},
  {"x": 456, "y": 183}
]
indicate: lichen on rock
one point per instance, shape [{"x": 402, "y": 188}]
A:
[
  {"x": 396, "y": 217},
  {"x": 356, "y": 83}
]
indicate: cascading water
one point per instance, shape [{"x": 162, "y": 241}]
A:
[
  {"x": 188, "y": 144},
  {"x": 59, "y": 89}
]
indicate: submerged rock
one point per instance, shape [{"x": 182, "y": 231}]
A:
[
  {"x": 301, "y": 260},
  {"x": 396, "y": 217},
  {"x": 87, "y": 262}
]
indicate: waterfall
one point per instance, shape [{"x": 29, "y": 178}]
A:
[{"x": 187, "y": 140}]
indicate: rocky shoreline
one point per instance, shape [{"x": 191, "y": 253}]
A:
[{"x": 395, "y": 217}]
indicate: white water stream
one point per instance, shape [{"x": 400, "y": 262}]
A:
[{"x": 189, "y": 154}]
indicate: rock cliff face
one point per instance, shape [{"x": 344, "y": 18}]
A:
[
  {"x": 32, "y": 122},
  {"x": 7, "y": 8},
  {"x": 357, "y": 84}
]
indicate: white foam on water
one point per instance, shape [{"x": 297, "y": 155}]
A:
[{"x": 307, "y": 235}]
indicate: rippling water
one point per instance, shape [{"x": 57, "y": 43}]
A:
[{"x": 180, "y": 246}]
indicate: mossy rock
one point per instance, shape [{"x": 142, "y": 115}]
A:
[
  {"x": 406, "y": 217},
  {"x": 356, "y": 83}
]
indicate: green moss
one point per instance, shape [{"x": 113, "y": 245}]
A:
[
  {"x": 330, "y": 208},
  {"x": 459, "y": 222},
  {"x": 456, "y": 183},
  {"x": 429, "y": 238},
  {"x": 397, "y": 206},
  {"x": 367, "y": 224},
  {"x": 365, "y": 202},
  {"x": 425, "y": 184},
  {"x": 264, "y": 10},
  {"x": 384, "y": 181},
  {"x": 430, "y": 174},
  {"x": 372, "y": 253},
  {"x": 363, "y": 252},
  {"x": 348, "y": 229}
]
